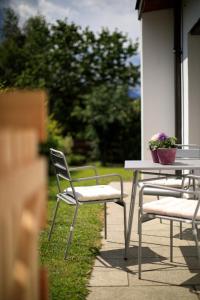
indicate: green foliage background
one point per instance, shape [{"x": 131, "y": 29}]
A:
[{"x": 86, "y": 76}]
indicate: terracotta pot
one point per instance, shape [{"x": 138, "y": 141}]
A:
[
  {"x": 166, "y": 156},
  {"x": 154, "y": 155}
]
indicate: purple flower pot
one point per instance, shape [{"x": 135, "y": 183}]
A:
[
  {"x": 154, "y": 155},
  {"x": 166, "y": 156}
]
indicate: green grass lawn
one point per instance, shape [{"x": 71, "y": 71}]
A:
[{"x": 68, "y": 278}]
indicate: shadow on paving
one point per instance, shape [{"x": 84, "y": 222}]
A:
[
  {"x": 114, "y": 258},
  {"x": 193, "y": 253},
  {"x": 192, "y": 280},
  {"x": 152, "y": 263},
  {"x": 187, "y": 234}
]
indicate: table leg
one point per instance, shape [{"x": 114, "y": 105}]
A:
[{"x": 132, "y": 206}]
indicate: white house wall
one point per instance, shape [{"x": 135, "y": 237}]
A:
[
  {"x": 157, "y": 76},
  {"x": 194, "y": 88},
  {"x": 191, "y": 73}
]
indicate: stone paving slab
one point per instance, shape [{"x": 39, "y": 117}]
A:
[
  {"x": 115, "y": 278},
  {"x": 166, "y": 276},
  {"x": 141, "y": 293},
  {"x": 108, "y": 277},
  {"x": 160, "y": 239}
]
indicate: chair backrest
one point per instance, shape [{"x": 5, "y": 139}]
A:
[
  {"x": 62, "y": 171},
  {"x": 60, "y": 164},
  {"x": 188, "y": 152}
]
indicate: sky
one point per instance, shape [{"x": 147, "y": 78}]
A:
[{"x": 113, "y": 14}]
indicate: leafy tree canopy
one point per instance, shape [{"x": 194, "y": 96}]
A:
[{"x": 86, "y": 75}]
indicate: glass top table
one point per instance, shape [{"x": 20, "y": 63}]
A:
[{"x": 138, "y": 166}]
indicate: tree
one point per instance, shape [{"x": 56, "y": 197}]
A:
[
  {"x": 35, "y": 50},
  {"x": 66, "y": 73},
  {"x": 85, "y": 75},
  {"x": 11, "y": 28},
  {"x": 112, "y": 123},
  {"x": 12, "y": 60},
  {"x": 78, "y": 61},
  {"x": 111, "y": 61}
]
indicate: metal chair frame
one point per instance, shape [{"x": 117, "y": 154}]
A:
[
  {"x": 184, "y": 152},
  {"x": 145, "y": 217},
  {"x": 63, "y": 172}
]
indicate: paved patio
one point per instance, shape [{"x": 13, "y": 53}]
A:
[{"x": 114, "y": 278}]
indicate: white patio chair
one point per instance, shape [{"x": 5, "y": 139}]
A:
[
  {"x": 172, "y": 209},
  {"x": 80, "y": 195},
  {"x": 180, "y": 181}
]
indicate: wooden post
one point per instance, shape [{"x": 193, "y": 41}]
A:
[{"x": 22, "y": 193}]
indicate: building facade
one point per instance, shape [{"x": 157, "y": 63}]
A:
[{"x": 170, "y": 69}]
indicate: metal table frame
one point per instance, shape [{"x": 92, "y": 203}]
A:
[{"x": 146, "y": 165}]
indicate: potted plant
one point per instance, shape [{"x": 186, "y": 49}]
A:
[{"x": 163, "y": 148}]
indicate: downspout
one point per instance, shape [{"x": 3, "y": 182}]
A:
[{"x": 177, "y": 70}]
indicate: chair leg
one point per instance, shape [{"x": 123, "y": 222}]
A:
[
  {"x": 140, "y": 248},
  {"x": 171, "y": 241},
  {"x": 125, "y": 232},
  {"x": 105, "y": 220},
  {"x": 158, "y": 198},
  {"x": 181, "y": 230},
  {"x": 54, "y": 217},
  {"x": 195, "y": 234},
  {"x": 71, "y": 231}
]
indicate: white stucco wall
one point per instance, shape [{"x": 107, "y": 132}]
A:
[
  {"x": 157, "y": 76},
  {"x": 190, "y": 73},
  {"x": 194, "y": 88}
]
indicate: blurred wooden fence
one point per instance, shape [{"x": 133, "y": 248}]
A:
[{"x": 22, "y": 194}]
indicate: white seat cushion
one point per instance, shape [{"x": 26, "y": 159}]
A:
[
  {"x": 170, "y": 206},
  {"x": 171, "y": 182},
  {"x": 95, "y": 192}
]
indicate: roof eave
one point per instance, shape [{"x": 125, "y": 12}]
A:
[{"x": 140, "y": 7}]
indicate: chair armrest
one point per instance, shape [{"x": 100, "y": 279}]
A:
[
  {"x": 193, "y": 176},
  {"x": 169, "y": 189},
  {"x": 161, "y": 176},
  {"x": 153, "y": 178},
  {"x": 85, "y": 168},
  {"x": 157, "y": 173},
  {"x": 100, "y": 177}
]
